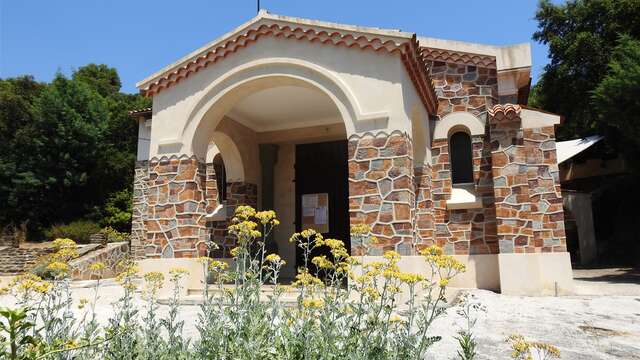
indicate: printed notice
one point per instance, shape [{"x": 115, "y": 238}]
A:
[{"x": 315, "y": 212}]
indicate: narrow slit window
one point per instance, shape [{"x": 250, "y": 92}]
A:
[
  {"x": 221, "y": 177},
  {"x": 460, "y": 155}
]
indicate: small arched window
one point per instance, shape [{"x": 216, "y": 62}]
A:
[
  {"x": 460, "y": 155},
  {"x": 221, "y": 177}
]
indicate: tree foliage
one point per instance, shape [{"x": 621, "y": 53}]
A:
[
  {"x": 592, "y": 75},
  {"x": 65, "y": 146}
]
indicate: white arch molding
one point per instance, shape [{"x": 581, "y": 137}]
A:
[
  {"x": 220, "y": 97},
  {"x": 455, "y": 121}
]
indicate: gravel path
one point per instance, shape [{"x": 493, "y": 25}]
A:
[{"x": 582, "y": 327}]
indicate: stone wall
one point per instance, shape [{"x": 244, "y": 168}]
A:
[
  {"x": 139, "y": 209},
  {"x": 110, "y": 256},
  {"x": 381, "y": 189},
  {"x": 238, "y": 193},
  {"x": 473, "y": 89}
]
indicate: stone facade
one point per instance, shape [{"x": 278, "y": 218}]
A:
[{"x": 382, "y": 189}]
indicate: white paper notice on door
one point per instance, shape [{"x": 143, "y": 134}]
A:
[
  {"x": 315, "y": 212},
  {"x": 321, "y": 215}
]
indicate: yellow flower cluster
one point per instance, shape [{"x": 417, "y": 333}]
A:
[
  {"x": 360, "y": 229},
  {"x": 244, "y": 212},
  {"x": 217, "y": 266},
  {"x": 267, "y": 217},
  {"x": 321, "y": 262},
  {"x": 245, "y": 229},
  {"x": 124, "y": 278},
  {"x": 522, "y": 348},
  {"x": 82, "y": 303},
  {"x": 311, "y": 303},
  {"x": 154, "y": 278},
  {"x": 307, "y": 234},
  {"x": 97, "y": 266},
  {"x": 306, "y": 279},
  {"x": 28, "y": 283},
  {"x": 410, "y": 278},
  {"x": 58, "y": 267},
  {"x": 66, "y": 249},
  {"x": 434, "y": 255},
  {"x": 178, "y": 272},
  {"x": 275, "y": 259}
]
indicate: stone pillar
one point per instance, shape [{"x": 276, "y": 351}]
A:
[
  {"x": 381, "y": 189},
  {"x": 545, "y": 194},
  {"x": 139, "y": 209},
  {"x": 526, "y": 185},
  {"x": 268, "y": 158},
  {"x": 424, "y": 222},
  {"x": 175, "y": 223},
  {"x": 511, "y": 186}
]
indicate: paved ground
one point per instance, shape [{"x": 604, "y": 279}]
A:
[{"x": 591, "y": 325}]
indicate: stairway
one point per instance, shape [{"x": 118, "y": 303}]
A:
[{"x": 17, "y": 260}]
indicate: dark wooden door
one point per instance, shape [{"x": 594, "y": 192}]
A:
[{"x": 322, "y": 168}]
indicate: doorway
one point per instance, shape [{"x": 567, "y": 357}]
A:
[{"x": 322, "y": 192}]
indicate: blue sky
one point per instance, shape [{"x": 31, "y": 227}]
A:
[{"x": 138, "y": 37}]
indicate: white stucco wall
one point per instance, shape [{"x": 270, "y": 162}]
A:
[{"x": 372, "y": 90}]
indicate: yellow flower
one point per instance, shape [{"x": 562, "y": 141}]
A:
[
  {"x": 306, "y": 279},
  {"x": 273, "y": 258},
  {"x": 360, "y": 229},
  {"x": 371, "y": 292},
  {"x": 154, "y": 277},
  {"x": 235, "y": 251},
  {"x": 82, "y": 303},
  {"x": 396, "y": 319},
  {"x": 97, "y": 266},
  {"x": 432, "y": 250},
  {"x": 266, "y": 217},
  {"x": 63, "y": 243},
  {"x": 244, "y": 212},
  {"x": 217, "y": 265},
  {"x": 391, "y": 256},
  {"x": 322, "y": 262},
  {"x": 410, "y": 278},
  {"x": 443, "y": 282},
  {"x": 70, "y": 344},
  {"x": 204, "y": 259},
  {"x": 312, "y": 303},
  {"x": 59, "y": 267},
  {"x": 178, "y": 272}
]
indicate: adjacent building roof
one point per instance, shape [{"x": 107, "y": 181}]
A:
[{"x": 565, "y": 150}]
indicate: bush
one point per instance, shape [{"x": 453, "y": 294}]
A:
[
  {"x": 114, "y": 235},
  {"x": 79, "y": 231}
]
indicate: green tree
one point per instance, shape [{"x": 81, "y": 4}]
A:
[
  {"x": 617, "y": 97},
  {"x": 582, "y": 36},
  {"x": 66, "y": 148}
]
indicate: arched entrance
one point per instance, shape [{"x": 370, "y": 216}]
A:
[{"x": 283, "y": 146}]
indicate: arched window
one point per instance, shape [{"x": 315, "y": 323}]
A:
[
  {"x": 221, "y": 177},
  {"x": 460, "y": 155}
]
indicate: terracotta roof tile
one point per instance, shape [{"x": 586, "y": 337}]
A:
[{"x": 409, "y": 50}]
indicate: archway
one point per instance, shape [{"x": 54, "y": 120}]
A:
[{"x": 260, "y": 130}]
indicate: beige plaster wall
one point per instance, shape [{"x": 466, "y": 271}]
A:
[
  {"x": 194, "y": 280},
  {"x": 482, "y": 270},
  {"x": 536, "y": 274},
  {"x": 372, "y": 90}
]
